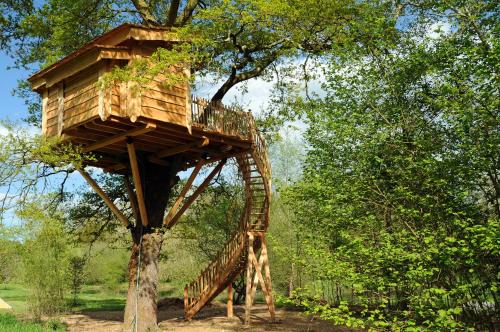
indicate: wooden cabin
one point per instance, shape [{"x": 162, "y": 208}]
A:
[{"x": 77, "y": 107}]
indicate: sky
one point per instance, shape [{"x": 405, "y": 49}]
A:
[{"x": 11, "y": 107}]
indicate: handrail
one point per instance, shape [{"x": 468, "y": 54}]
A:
[
  {"x": 254, "y": 166},
  {"x": 217, "y": 117}
]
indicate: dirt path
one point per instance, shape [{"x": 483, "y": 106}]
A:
[{"x": 211, "y": 318}]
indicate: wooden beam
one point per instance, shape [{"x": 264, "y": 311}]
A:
[
  {"x": 230, "y": 300},
  {"x": 248, "y": 299},
  {"x": 267, "y": 280},
  {"x": 119, "y": 215},
  {"x": 132, "y": 198},
  {"x": 120, "y": 137},
  {"x": 184, "y": 191},
  {"x": 137, "y": 183},
  {"x": 197, "y": 193},
  {"x": 182, "y": 148}
]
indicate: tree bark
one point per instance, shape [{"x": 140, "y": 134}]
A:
[{"x": 141, "y": 307}]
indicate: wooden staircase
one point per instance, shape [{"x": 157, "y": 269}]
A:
[{"x": 234, "y": 257}]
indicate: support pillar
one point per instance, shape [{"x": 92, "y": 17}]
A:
[
  {"x": 230, "y": 300},
  {"x": 254, "y": 277}
]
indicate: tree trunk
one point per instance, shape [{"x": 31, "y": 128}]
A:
[
  {"x": 141, "y": 307},
  {"x": 143, "y": 313}
]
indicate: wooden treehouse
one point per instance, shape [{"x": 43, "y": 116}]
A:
[{"x": 117, "y": 122}]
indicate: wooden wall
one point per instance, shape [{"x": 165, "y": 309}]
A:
[
  {"x": 81, "y": 97},
  {"x": 165, "y": 104},
  {"x": 78, "y": 99}
]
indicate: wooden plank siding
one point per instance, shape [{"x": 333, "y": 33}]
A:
[{"x": 83, "y": 101}]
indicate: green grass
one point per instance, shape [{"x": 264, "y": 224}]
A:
[
  {"x": 15, "y": 295},
  {"x": 99, "y": 298},
  {"x": 10, "y": 323},
  {"x": 92, "y": 298}
]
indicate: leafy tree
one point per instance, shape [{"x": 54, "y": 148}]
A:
[
  {"x": 398, "y": 205},
  {"x": 76, "y": 274}
]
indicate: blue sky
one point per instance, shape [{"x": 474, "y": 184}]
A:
[{"x": 11, "y": 107}]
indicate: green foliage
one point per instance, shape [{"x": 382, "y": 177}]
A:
[
  {"x": 10, "y": 260},
  {"x": 45, "y": 262},
  {"x": 398, "y": 207},
  {"x": 28, "y": 163},
  {"x": 213, "y": 218},
  {"x": 9, "y": 323},
  {"x": 105, "y": 265},
  {"x": 76, "y": 274}
]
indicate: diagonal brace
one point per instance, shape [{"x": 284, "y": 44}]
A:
[
  {"x": 170, "y": 223},
  {"x": 184, "y": 191},
  {"x": 105, "y": 197}
]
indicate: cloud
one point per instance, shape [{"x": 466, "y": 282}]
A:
[
  {"x": 3, "y": 131},
  {"x": 439, "y": 29}
]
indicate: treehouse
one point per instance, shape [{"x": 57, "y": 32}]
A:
[
  {"x": 117, "y": 121},
  {"x": 78, "y": 107}
]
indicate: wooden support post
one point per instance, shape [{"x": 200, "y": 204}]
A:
[
  {"x": 267, "y": 280},
  {"x": 248, "y": 299},
  {"x": 104, "y": 197},
  {"x": 195, "y": 195},
  {"x": 132, "y": 198},
  {"x": 137, "y": 182},
  {"x": 230, "y": 300},
  {"x": 183, "y": 193}
]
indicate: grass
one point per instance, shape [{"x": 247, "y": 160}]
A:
[
  {"x": 10, "y": 323},
  {"x": 99, "y": 298},
  {"x": 15, "y": 295},
  {"x": 92, "y": 298}
]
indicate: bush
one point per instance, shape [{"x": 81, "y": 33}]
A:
[{"x": 45, "y": 263}]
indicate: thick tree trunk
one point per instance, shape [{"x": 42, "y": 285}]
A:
[{"x": 141, "y": 307}]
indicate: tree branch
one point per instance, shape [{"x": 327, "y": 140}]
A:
[
  {"x": 172, "y": 12},
  {"x": 236, "y": 78},
  {"x": 145, "y": 12},
  {"x": 187, "y": 13}
]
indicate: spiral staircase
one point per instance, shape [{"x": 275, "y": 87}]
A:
[{"x": 232, "y": 260}]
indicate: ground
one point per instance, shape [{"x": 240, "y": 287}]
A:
[
  {"x": 100, "y": 309},
  {"x": 210, "y": 319}
]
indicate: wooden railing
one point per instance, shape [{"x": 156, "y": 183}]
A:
[
  {"x": 214, "y": 116},
  {"x": 214, "y": 275},
  {"x": 259, "y": 147}
]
